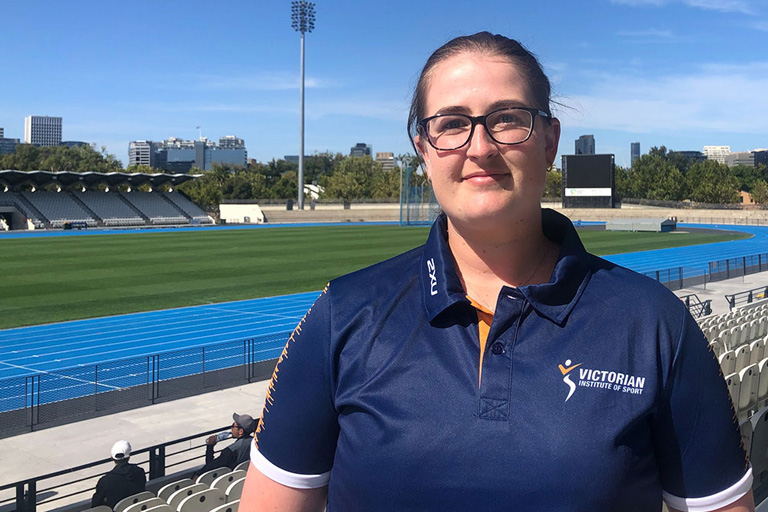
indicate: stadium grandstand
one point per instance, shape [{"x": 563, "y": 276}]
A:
[{"x": 65, "y": 200}]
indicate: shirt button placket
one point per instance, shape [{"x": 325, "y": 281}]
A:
[{"x": 497, "y": 366}]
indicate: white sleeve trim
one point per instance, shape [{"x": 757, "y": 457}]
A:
[
  {"x": 715, "y": 501},
  {"x": 281, "y": 476}
]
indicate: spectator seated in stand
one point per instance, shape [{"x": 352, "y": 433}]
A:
[
  {"x": 234, "y": 454},
  {"x": 123, "y": 480}
]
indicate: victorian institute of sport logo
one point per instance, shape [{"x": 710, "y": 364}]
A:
[{"x": 602, "y": 379}]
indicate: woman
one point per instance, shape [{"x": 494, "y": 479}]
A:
[{"x": 499, "y": 366}]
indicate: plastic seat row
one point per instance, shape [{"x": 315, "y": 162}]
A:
[
  {"x": 732, "y": 361},
  {"x": 739, "y": 335},
  {"x": 756, "y": 309},
  {"x": 749, "y": 388}
]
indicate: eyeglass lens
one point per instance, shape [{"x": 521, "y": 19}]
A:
[{"x": 506, "y": 126}]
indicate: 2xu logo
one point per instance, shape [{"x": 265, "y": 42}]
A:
[{"x": 432, "y": 276}]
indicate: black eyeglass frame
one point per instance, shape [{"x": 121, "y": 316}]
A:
[{"x": 475, "y": 120}]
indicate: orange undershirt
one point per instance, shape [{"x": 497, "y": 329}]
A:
[{"x": 484, "y": 320}]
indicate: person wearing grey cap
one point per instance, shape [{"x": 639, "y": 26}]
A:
[
  {"x": 122, "y": 481},
  {"x": 242, "y": 432}
]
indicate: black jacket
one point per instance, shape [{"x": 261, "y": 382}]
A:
[
  {"x": 231, "y": 456},
  {"x": 124, "y": 480}
]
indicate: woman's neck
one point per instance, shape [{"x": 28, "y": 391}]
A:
[{"x": 517, "y": 255}]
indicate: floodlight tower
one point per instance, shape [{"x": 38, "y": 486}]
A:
[{"x": 302, "y": 20}]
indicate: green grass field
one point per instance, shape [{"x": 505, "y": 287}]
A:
[{"x": 53, "y": 279}]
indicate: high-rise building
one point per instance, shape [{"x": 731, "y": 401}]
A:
[
  {"x": 761, "y": 156},
  {"x": 7, "y": 146},
  {"x": 585, "y": 145},
  {"x": 717, "y": 153},
  {"x": 142, "y": 152},
  {"x": 179, "y": 155},
  {"x": 360, "y": 149},
  {"x": 387, "y": 160},
  {"x": 740, "y": 158},
  {"x": 634, "y": 152},
  {"x": 231, "y": 142},
  {"x": 42, "y": 130}
]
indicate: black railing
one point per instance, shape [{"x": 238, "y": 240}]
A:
[
  {"x": 747, "y": 297},
  {"x": 63, "y": 396},
  {"x": 676, "y": 278},
  {"x": 156, "y": 461},
  {"x": 696, "y": 306}
]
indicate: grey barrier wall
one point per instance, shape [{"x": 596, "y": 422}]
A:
[{"x": 64, "y": 396}]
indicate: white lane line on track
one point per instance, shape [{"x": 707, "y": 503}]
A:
[{"x": 82, "y": 381}]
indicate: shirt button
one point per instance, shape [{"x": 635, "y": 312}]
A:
[{"x": 497, "y": 348}]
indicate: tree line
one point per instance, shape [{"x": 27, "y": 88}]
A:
[
  {"x": 660, "y": 174},
  {"x": 670, "y": 176}
]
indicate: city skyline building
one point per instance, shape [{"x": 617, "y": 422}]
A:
[
  {"x": 585, "y": 145},
  {"x": 7, "y": 145},
  {"x": 231, "y": 142},
  {"x": 361, "y": 149},
  {"x": 180, "y": 155},
  {"x": 740, "y": 158},
  {"x": 387, "y": 160},
  {"x": 634, "y": 152},
  {"x": 42, "y": 130},
  {"x": 717, "y": 153}
]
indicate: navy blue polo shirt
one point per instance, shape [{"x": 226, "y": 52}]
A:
[{"x": 598, "y": 393}]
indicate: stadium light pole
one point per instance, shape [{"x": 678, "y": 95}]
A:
[{"x": 302, "y": 20}]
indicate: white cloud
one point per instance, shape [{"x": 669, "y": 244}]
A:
[
  {"x": 261, "y": 82},
  {"x": 651, "y": 35},
  {"x": 715, "y": 99}
]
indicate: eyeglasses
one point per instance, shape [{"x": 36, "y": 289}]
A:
[{"x": 510, "y": 125}]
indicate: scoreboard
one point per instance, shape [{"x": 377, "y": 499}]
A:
[{"x": 588, "y": 181}]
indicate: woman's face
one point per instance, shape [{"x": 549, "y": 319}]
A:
[{"x": 484, "y": 181}]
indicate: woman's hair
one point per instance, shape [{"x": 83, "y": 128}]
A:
[{"x": 492, "y": 45}]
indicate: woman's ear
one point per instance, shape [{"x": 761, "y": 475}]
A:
[
  {"x": 552, "y": 140},
  {"x": 419, "y": 143}
]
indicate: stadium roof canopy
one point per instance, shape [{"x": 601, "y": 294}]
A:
[{"x": 13, "y": 179}]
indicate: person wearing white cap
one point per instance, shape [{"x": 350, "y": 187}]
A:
[
  {"x": 123, "y": 480},
  {"x": 242, "y": 432}
]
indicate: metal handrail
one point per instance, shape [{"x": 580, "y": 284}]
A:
[
  {"x": 696, "y": 306},
  {"x": 746, "y": 296},
  {"x": 26, "y": 490}
]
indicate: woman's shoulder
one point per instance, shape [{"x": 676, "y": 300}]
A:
[
  {"x": 395, "y": 272},
  {"x": 625, "y": 284}
]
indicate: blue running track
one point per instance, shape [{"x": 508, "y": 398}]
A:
[{"x": 48, "y": 348}]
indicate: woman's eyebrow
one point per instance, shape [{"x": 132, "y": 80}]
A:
[{"x": 456, "y": 109}]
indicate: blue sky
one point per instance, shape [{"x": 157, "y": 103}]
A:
[{"x": 680, "y": 73}]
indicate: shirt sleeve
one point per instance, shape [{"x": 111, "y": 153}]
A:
[
  {"x": 702, "y": 461},
  {"x": 296, "y": 439}
]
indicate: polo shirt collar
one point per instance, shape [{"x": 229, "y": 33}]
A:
[{"x": 441, "y": 287}]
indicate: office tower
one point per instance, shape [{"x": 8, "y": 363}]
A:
[
  {"x": 387, "y": 160},
  {"x": 42, "y": 130},
  {"x": 7, "y": 145},
  {"x": 634, "y": 152},
  {"x": 585, "y": 145},
  {"x": 142, "y": 152},
  {"x": 717, "y": 153},
  {"x": 179, "y": 156},
  {"x": 360, "y": 149},
  {"x": 740, "y": 158},
  {"x": 231, "y": 142}
]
